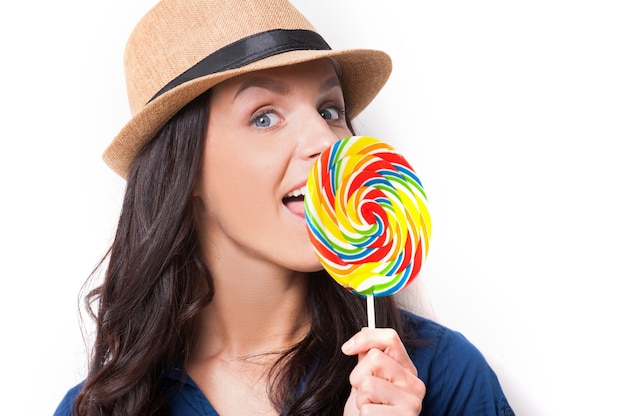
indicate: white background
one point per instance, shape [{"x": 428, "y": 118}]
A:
[{"x": 512, "y": 114}]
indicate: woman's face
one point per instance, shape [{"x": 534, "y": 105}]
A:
[{"x": 265, "y": 131}]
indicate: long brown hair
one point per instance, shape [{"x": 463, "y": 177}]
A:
[{"x": 155, "y": 286}]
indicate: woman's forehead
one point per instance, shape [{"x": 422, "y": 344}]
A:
[{"x": 322, "y": 70}]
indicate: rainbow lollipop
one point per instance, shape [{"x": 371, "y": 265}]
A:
[{"x": 367, "y": 217}]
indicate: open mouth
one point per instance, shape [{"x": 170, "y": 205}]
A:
[{"x": 294, "y": 201}]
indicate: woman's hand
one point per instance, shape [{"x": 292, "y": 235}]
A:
[{"x": 384, "y": 382}]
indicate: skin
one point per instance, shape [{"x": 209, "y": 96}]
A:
[{"x": 265, "y": 131}]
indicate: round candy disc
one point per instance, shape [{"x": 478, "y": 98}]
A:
[{"x": 367, "y": 217}]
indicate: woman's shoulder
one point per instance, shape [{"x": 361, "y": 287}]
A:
[
  {"x": 429, "y": 333},
  {"x": 65, "y": 407},
  {"x": 435, "y": 339},
  {"x": 458, "y": 378}
]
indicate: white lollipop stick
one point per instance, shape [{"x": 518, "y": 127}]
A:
[{"x": 371, "y": 313}]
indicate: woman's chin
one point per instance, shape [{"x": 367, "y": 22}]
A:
[{"x": 310, "y": 266}]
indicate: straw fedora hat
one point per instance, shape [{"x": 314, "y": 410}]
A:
[{"x": 182, "y": 48}]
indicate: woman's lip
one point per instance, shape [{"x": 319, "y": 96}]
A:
[
  {"x": 296, "y": 205},
  {"x": 301, "y": 185}
]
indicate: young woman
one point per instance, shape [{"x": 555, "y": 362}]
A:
[{"x": 213, "y": 300}]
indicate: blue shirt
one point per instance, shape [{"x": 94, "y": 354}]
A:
[{"x": 458, "y": 379}]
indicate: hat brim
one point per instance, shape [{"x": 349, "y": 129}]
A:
[{"x": 364, "y": 73}]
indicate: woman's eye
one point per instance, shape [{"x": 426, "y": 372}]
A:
[
  {"x": 265, "y": 120},
  {"x": 331, "y": 113}
]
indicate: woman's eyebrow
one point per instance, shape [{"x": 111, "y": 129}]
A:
[{"x": 262, "y": 82}]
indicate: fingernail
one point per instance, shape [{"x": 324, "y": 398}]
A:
[{"x": 347, "y": 346}]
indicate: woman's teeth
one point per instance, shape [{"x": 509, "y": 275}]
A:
[{"x": 297, "y": 193}]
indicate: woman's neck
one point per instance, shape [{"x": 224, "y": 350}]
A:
[
  {"x": 251, "y": 320},
  {"x": 255, "y": 310}
]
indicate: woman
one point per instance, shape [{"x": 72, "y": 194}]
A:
[{"x": 214, "y": 301}]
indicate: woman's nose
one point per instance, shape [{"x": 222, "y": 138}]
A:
[{"x": 316, "y": 137}]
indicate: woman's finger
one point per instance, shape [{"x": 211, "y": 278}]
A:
[
  {"x": 383, "y": 339},
  {"x": 375, "y": 393}
]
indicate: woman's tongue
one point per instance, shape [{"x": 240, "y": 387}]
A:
[{"x": 295, "y": 205}]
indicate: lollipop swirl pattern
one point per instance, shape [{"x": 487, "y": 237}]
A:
[{"x": 367, "y": 216}]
